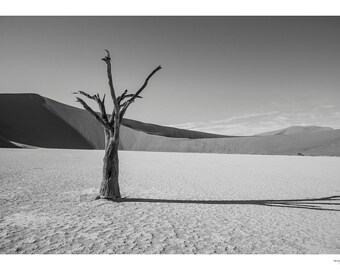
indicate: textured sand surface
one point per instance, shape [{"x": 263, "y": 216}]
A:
[{"x": 194, "y": 203}]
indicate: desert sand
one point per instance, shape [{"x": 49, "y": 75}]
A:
[{"x": 175, "y": 203}]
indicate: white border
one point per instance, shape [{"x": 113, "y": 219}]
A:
[
  {"x": 170, "y": 7},
  {"x": 171, "y": 262}
]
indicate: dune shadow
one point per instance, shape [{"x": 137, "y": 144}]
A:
[{"x": 322, "y": 203}]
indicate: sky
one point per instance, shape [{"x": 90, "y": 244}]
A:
[{"x": 226, "y": 75}]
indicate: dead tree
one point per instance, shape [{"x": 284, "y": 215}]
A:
[{"x": 109, "y": 188}]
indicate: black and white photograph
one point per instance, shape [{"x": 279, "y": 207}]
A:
[{"x": 160, "y": 135}]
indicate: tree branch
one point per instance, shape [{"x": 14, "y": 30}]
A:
[
  {"x": 134, "y": 96},
  {"x": 84, "y": 94},
  {"x": 124, "y": 96},
  {"x": 92, "y": 112},
  {"x": 100, "y": 102},
  {"x": 145, "y": 83},
  {"x": 107, "y": 60},
  {"x": 121, "y": 97}
]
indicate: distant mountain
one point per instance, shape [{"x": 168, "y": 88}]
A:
[
  {"x": 30, "y": 120},
  {"x": 296, "y": 130}
]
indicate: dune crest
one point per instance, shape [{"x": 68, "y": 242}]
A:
[
  {"x": 30, "y": 119},
  {"x": 296, "y": 130}
]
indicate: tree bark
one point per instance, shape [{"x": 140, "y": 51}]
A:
[{"x": 110, "y": 187}]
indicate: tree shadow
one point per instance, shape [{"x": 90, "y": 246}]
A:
[{"x": 322, "y": 203}]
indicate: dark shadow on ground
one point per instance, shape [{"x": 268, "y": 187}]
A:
[{"x": 310, "y": 203}]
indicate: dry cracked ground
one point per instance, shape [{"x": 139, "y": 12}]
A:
[{"x": 176, "y": 203}]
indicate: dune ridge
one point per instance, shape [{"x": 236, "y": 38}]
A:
[
  {"x": 26, "y": 119},
  {"x": 33, "y": 120},
  {"x": 7, "y": 144},
  {"x": 295, "y": 130},
  {"x": 38, "y": 121},
  {"x": 326, "y": 144}
]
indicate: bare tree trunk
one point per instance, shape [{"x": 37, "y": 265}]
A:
[{"x": 110, "y": 187}]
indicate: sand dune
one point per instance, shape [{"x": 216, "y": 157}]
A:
[
  {"x": 38, "y": 121},
  {"x": 170, "y": 131},
  {"x": 296, "y": 130},
  {"x": 7, "y": 144},
  {"x": 320, "y": 143},
  {"x": 33, "y": 120},
  {"x": 27, "y": 119}
]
